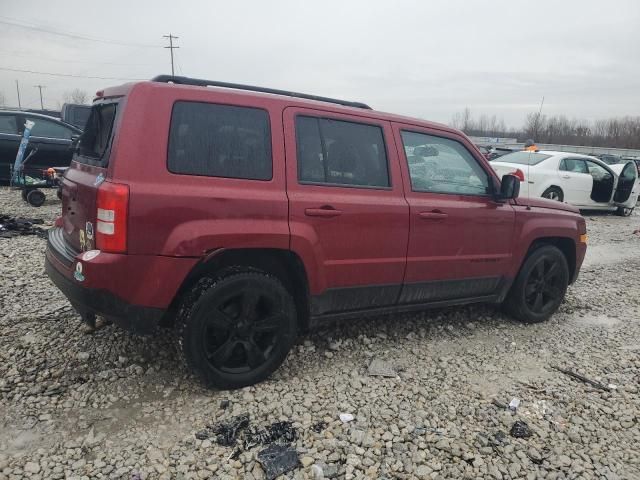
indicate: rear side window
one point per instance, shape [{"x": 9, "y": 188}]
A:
[
  {"x": 96, "y": 137},
  {"x": 220, "y": 141},
  {"x": 341, "y": 153},
  {"x": 575, "y": 165},
  {"x": 8, "y": 124},
  {"x": 48, "y": 129}
]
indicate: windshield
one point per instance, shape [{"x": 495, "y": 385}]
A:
[
  {"x": 95, "y": 140},
  {"x": 524, "y": 158}
]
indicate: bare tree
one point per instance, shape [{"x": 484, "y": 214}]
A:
[
  {"x": 3, "y": 100},
  {"x": 76, "y": 96}
]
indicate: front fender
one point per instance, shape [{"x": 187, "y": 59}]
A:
[{"x": 537, "y": 223}]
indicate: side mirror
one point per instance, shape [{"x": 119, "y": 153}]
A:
[{"x": 509, "y": 187}]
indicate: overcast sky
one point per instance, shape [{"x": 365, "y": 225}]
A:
[{"x": 422, "y": 58}]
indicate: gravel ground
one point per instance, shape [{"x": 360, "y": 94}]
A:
[{"x": 113, "y": 405}]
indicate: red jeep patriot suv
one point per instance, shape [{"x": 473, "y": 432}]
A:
[{"x": 242, "y": 215}]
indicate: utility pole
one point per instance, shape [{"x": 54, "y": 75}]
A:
[
  {"x": 40, "y": 87},
  {"x": 171, "y": 48},
  {"x": 18, "y": 90}
]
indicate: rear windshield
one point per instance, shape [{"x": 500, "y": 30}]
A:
[
  {"x": 96, "y": 137},
  {"x": 523, "y": 158}
]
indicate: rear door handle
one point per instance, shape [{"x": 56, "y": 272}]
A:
[
  {"x": 434, "y": 215},
  {"x": 322, "y": 212}
]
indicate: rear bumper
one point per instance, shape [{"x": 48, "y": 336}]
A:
[
  {"x": 101, "y": 302},
  {"x": 134, "y": 291}
]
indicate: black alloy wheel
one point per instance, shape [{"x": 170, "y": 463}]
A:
[
  {"x": 540, "y": 286},
  {"x": 235, "y": 330}
]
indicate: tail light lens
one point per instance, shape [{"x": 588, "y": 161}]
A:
[
  {"x": 518, "y": 173},
  {"x": 112, "y": 216}
]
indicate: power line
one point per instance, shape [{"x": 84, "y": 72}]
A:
[
  {"x": 59, "y": 60},
  {"x": 77, "y": 36},
  {"x": 69, "y": 75},
  {"x": 171, "y": 48}
]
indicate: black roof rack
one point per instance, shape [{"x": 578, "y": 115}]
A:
[{"x": 211, "y": 83}]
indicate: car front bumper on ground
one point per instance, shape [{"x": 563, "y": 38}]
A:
[{"x": 134, "y": 291}]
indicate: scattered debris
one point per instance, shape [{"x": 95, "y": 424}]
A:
[
  {"x": 226, "y": 433},
  {"x": 381, "y": 368},
  {"x": 514, "y": 404},
  {"x": 280, "y": 433},
  {"x": 612, "y": 386},
  {"x": 582, "y": 378},
  {"x": 13, "y": 227},
  {"x": 499, "y": 404},
  {"x": 319, "y": 426},
  {"x": 520, "y": 429},
  {"x": 224, "y": 404},
  {"x": 277, "y": 460},
  {"x": 346, "y": 417}
]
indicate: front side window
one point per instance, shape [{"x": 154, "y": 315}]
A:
[
  {"x": 338, "y": 152},
  {"x": 8, "y": 124},
  {"x": 575, "y": 165},
  {"x": 220, "y": 141},
  {"x": 441, "y": 165},
  {"x": 49, "y": 129}
]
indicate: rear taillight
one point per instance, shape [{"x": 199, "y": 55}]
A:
[
  {"x": 518, "y": 173},
  {"x": 111, "y": 225}
]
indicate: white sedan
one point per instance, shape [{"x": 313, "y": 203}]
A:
[{"x": 580, "y": 180}]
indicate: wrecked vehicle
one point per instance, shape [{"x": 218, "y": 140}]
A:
[{"x": 242, "y": 216}]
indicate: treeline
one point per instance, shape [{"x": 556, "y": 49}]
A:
[{"x": 621, "y": 132}]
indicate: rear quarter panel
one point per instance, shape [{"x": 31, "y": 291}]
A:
[{"x": 188, "y": 215}]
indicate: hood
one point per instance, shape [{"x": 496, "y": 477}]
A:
[{"x": 545, "y": 203}]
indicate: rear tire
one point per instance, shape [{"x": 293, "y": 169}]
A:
[
  {"x": 236, "y": 329},
  {"x": 553, "y": 193},
  {"x": 540, "y": 286},
  {"x": 36, "y": 198},
  {"x": 624, "y": 211}
]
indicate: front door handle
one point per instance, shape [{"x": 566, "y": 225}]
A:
[
  {"x": 325, "y": 211},
  {"x": 566, "y": 176},
  {"x": 433, "y": 215}
]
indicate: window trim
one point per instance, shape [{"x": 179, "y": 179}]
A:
[
  {"x": 324, "y": 151},
  {"x": 269, "y": 135},
  {"x": 406, "y": 162}
]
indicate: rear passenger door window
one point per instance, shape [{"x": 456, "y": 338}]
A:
[
  {"x": 47, "y": 129},
  {"x": 220, "y": 141},
  {"x": 575, "y": 165},
  {"x": 442, "y": 165},
  {"x": 341, "y": 153}
]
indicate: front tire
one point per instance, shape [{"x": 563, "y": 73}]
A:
[
  {"x": 624, "y": 211},
  {"x": 236, "y": 329},
  {"x": 553, "y": 193},
  {"x": 540, "y": 286}
]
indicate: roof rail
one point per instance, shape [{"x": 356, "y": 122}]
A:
[{"x": 210, "y": 83}]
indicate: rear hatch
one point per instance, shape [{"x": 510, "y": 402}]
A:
[{"x": 85, "y": 175}]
